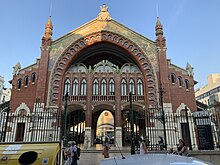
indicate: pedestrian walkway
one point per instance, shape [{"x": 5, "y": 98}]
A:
[
  {"x": 93, "y": 155},
  {"x": 99, "y": 148}
]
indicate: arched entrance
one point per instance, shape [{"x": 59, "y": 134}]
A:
[
  {"x": 103, "y": 69},
  {"x": 104, "y": 127},
  {"x": 139, "y": 126},
  {"x": 76, "y": 126}
]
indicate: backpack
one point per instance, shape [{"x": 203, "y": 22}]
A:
[{"x": 78, "y": 151}]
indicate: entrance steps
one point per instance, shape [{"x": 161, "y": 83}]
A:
[{"x": 98, "y": 148}]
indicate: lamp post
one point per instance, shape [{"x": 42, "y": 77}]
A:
[
  {"x": 65, "y": 120},
  {"x": 163, "y": 116},
  {"x": 188, "y": 132},
  {"x": 132, "y": 125}
]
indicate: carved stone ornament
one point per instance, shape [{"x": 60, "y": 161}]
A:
[
  {"x": 16, "y": 69},
  {"x": 104, "y": 14}
]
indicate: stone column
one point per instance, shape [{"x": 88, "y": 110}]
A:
[
  {"x": 88, "y": 113},
  {"x": 118, "y": 118}
]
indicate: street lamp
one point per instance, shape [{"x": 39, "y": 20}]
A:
[
  {"x": 132, "y": 125},
  {"x": 163, "y": 116}
]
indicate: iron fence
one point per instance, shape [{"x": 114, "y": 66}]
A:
[
  {"x": 199, "y": 130},
  {"x": 41, "y": 126}
]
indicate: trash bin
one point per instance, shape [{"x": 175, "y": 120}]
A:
[{"x": 34, "y": 153}]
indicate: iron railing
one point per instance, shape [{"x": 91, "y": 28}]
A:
[{"x": 199, "y": 131}]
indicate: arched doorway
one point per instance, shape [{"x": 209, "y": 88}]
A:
[
  {"x": 103, "y": 126},
  {"x": 139, "y": 127},
  {"x": 76, "y": 126}
]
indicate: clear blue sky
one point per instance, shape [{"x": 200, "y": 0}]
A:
[{"x": 191, "y": 28}]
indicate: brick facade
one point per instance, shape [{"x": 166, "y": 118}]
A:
[{"x": 111, "y": 41}]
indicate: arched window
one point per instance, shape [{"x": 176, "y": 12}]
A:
[
  {"x": 123, "y": 87},
  {"x": 26, "y": 79},
  {"x": 19, "y": 83},
  {"x": 95, "y": 87},
  {"x": 75, "y": 87},
  {"x": 173, "y": 78},
  {"x": 131, "y": 86},
  {"x": 111, "y": 87},
  {"x": 186, "y": 84},
  {"x": 33, "y": 77},
  {"x": 140, "y": 88},
  {"x": 180, "y": 81},
  {"x": 83, "y": 87},
  {"x": 103, "y": 87},
  {"x": 66, "y": 87}
]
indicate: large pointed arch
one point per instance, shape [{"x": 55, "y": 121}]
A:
[{"x": 64, "y": 60}]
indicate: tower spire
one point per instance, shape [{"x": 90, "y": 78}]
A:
[
  {"x": 48, "y": 29},
  {"x": 159, "y": 27}
]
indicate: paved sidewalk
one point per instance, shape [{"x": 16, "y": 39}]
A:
[
  {"x": 93, "y": 155},
  {"x": 94, "y": 158}
]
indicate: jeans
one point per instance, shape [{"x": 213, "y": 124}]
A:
[{"x": 74, "y": 161}]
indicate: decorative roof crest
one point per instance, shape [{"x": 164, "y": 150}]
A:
[
  {"x": 48, "y": 29},
  {"x": 104, "y": 14},
  {"x": 16, "y": 69}
]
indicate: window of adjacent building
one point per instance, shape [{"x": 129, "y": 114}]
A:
[
  {"x": 140, "y": 88},
  {"x": 213, "y": 99},
  {"x": 33, "y": 77},
  {"x": 95, "y": 87},
  {"x": 172, "y": 76},
  {"x": 131, "y": 86},
  {"x": 19, "y": 83},
  {"x": 123, "y": 87},
  {"x": 83, "y": 87},
  {"x": 111, "y": 87},
  {"x": 186, "y": 84},
  {"x": 66, "y": 87},
  {"x": 26, "y": 79},
  {"x": 75, "y": 87},
  {"x": 180, "y": 81},
  {"x": 103, "y": 87}
]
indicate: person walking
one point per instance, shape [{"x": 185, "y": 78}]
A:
[
  {"x": 86, "y": 142},
  {"x": 106, "y": 148},
  {"x": 74, "y": 153},
  {"x": 143, "y": 148},
  {"x": 161, "y": 143},
  {"x": 68, "y": 158}
]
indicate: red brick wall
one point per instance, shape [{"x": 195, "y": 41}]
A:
[
  {"x": 181, "y": 94},
  {"x": 26, "y": 94}
]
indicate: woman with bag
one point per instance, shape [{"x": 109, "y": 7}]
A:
[{"x": 106, "y": 148}]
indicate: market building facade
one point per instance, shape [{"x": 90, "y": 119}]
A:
[{"x": 92, "y": 70}]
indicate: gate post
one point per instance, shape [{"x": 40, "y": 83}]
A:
[
  {"x": 163, "y": 116},
  {"x": 188, "y": 132},
  {"x": 65, "y": 121},
  {"x": 6, "y": 124},
  {"x": 132, "y": 125}
]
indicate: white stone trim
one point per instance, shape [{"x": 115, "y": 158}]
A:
[
  {"x": 118, "y": 136},
  {"x": 22, "y": 106},
  {"x": 88, "y": 134}
]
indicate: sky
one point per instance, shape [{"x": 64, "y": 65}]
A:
[{"x": 191, "y": 28}]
